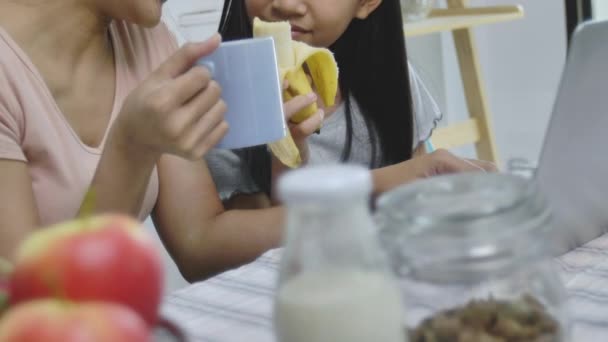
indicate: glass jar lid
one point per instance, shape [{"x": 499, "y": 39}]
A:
[
  {"x": 467, "y": 218},
  {"x": 326, "y": 184}
]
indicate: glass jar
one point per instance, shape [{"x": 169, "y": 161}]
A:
[
  {"x": 414, "y": 10},
  {"x": 473, "y": 260},
  {"x": 335, "y": 283}
]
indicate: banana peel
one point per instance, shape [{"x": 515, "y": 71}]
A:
[{"x": 295, "y": 59}]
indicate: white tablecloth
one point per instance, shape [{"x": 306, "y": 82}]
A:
[{"x": 237, "y": 306}]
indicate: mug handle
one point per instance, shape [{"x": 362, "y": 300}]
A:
[
  {"x": 209, "y": 65},
  {"x": 172, "y": 329}
]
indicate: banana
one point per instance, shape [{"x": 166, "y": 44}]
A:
[{"x": 294, "y": 59}]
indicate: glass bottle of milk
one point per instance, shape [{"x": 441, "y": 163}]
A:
[{"x": 334, "y": 283}]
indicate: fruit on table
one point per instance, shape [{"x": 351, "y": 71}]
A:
[
  {"x": 293, "y": 58},
  {"x": 103, "y": 258},
  {"x": 52, "y": 320},
  {"x": 522, "y": 319}
]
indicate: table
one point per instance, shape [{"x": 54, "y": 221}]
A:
[{"x": 237, "y": 306}]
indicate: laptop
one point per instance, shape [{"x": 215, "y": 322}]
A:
[{"x": 573, "y": 167}]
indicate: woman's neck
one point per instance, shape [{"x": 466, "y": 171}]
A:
[{"x": 63, "y": 33}]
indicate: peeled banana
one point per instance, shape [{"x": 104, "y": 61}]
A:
[{"x": 293, "y": 57}]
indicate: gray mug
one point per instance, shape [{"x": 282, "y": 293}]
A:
[{"x": 248, "y": 73}]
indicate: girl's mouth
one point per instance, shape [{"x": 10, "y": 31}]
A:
[{"x": 298, "y": 32}]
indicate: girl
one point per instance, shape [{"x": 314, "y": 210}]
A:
[{"x": 375, "y": 123}]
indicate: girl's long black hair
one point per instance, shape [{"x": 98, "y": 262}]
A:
[{"x": 372, "y": 59}]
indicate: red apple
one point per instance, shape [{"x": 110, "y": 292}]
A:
[
  {"x": 55, "y": 321},
  {"x": 103, "y": 258}
]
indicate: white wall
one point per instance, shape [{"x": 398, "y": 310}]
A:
[
  {"x": 521, "y": 63},
  {"x": 600, "y": 9},
  {"x": 194, "y": 20}
]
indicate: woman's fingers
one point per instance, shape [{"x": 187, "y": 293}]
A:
[{"x": 204, "y": 133}]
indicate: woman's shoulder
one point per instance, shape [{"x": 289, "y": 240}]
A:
[
  {"x": 13, "y": 73},
  {"x": 12, "y": 120}
]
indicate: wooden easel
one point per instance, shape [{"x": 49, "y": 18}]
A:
[{"x": 460, "y": 19}]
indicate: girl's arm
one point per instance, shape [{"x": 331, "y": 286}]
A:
[
  {"x": 202, "y": 237},
  {"x": 422, "y": 149},
  {"x": 205, "y": 239}
]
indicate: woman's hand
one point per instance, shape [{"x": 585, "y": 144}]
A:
[
  {"x": 177, "y": 109},
  {"x": 439, "y": 162}
]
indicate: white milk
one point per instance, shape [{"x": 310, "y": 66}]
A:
[{"x": 339, "y": 306}]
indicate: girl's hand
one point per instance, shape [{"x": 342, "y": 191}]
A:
[
  {"x": 439, "y": 162},
  {"x": 442, "y": 162},
  {"x": 177, "y": 109},
  {"x": 301, "y": 131}
]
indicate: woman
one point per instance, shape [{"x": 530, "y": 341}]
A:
[{"x": 87, "y": 100}]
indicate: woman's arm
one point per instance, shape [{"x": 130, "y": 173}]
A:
[
  {"x": 122, "y": 177},
  {"x": 176, "y": 110},
  {"x": 18, "y": 212}
]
